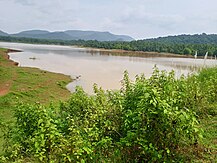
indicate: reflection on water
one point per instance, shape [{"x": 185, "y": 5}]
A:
[{"x": 89, "y": 67}]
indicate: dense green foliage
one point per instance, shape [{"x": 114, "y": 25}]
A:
[
  {"x": 183, "y": 44},
  {"x": 148, "y": 120},
  {"x": 187, "y": 39}
]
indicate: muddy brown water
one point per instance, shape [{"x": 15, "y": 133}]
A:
[{"x": 103, "y": 68}]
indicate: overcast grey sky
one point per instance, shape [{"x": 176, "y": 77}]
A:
[{"x": 137, "y": 18}]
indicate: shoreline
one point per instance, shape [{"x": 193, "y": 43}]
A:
[
  {"x": 9, "y": 62},
  {"x": 121, "y": 52},
  {"x": 142, "y": 54},
  {"x": 12, "y": 51}
]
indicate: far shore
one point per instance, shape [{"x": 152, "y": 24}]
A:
[{"x": 120, "y": 52}]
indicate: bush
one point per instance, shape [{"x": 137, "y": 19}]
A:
[
  {"x": 145, "y": 121},
  {"x": 187, "y": 51}
]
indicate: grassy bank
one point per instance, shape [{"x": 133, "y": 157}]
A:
[
  {"x": 30, "y": 85},
  {"x": 206, "y": 150}
]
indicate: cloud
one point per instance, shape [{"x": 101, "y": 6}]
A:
[
  {"x": 109, "y": 23},
  {"x": 25, "y": 2},
  {"x": 139, "y": 18}
]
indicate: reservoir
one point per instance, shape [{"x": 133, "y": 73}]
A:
[{"x": 104, "y": 68}]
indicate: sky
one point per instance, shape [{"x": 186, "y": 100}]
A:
[{"x": 137, "y": 18}]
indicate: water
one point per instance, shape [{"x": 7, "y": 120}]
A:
[{"x": 89, "y": 67}]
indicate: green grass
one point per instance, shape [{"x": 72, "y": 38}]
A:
[
  {"x": 209, "y": 142},
  {"x": 206, "y": 149},
  {"x": 209, "y": 122},
  {"x": 27, "y": 85}
]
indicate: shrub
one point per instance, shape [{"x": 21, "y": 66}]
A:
[{"x": 146, "y": 120}]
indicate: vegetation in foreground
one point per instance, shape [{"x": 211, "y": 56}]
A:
[
  {"x": 30, "y": 85},
  {"x": 160, "y": 119}
]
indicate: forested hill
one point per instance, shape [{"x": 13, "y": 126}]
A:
[
  {"x": 182, "y": 44},
  {"x": 187, "y": 39}
]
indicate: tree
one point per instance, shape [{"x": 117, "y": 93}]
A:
[
  {"x": 187, "y": 51},
  {"x": 215, "y": 52}
]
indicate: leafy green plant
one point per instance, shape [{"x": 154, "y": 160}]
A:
[{"x": 147, "y": 120}]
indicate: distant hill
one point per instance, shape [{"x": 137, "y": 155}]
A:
[
  {"x": 99, "y": 36},
  {"x": 41, "y": 34},
  {"x": 72, "y": 35},
  {"x": 186, "y": 39},
  {"x": 33, "y": 32},
  {"x": 3, "y": 33}
]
